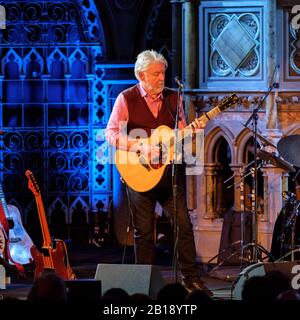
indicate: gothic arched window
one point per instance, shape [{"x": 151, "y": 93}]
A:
[{"x": 49, "y": 54}]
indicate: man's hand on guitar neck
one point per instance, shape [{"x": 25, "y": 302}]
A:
[{"x": 197, "y": 124}]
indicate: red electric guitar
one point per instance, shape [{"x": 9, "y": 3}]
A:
[{"x": 53, "y": 255}]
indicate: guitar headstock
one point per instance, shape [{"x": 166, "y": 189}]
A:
[
  {"x": 32, "y": 184},
  {"x": 227, "y": 102}
]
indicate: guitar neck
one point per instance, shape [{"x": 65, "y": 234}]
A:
[
  {"x": 3, "y": 202},
  {"x": 43, "y": 221},
  {"x": 186, "y": 132}
]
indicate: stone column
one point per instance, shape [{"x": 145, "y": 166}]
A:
[
  {"x": 176, "y": 39},
  {"x": 190, "y": 46},
  {"x": 272, "y": 61},
  {"x": 189, "y": 63},
  {"x": 219, "y": 190},
  {"x": 237, "y": 185},
  {"x": 210, "y": 178},
  {"x": 273, "y": 194},
  {"x": 285, "y": 182},
  {"x": 264, "y": 215}
]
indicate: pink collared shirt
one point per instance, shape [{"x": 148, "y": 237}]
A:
[{"x": 120, "y": 115}]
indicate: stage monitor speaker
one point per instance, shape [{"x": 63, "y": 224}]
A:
[
  {"x": 260, "y": 269},
  {"x": 133, "y": 278},
  {"x": 83, "y": 289}
]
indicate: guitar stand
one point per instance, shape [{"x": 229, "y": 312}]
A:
[
  {"x": 251, "y": 252},
  {"x": 244, "y": 254},
  {"x": 235, "y": 252},
  {"x": 258, "y": 250},
  {"x": 11, "y": 270},
  {"x": 236, "y": 247}
]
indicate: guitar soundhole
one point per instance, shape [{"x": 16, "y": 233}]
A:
[
  {"x": 11, "y": 223},
  {"x": 160, "y": 161}
]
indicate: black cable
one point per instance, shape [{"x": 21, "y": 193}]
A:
[{"x": 130, "y": 214}]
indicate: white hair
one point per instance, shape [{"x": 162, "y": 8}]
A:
[{"x": 145, "y": 58}]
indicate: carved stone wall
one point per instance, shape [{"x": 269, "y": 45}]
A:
[{"x": 240, "y": 44}]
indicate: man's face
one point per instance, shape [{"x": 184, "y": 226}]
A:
[{"x": 153, "y": 78}]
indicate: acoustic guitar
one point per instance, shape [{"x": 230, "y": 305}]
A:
[
  {"x": 2, "y": 240},
  {"x": 53, "y": 255},
  {"x": 19, "y": 244},
  {"x": 139, "y": 172}
]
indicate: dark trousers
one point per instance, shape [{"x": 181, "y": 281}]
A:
[{"x": 142, "y": 205}]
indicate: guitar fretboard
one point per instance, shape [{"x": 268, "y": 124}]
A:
[
  {"x": 188, "y": 130},
  {"x": 43, "y": 222},
  {"x": 3, "y": 202}
]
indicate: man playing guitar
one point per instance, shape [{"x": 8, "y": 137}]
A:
[{"x": 145, "y": 107}]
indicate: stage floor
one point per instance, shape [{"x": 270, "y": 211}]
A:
[{"x": 84, "y": 261}]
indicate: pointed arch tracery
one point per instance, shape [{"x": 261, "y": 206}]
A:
[{"x": 44, "y": 47}]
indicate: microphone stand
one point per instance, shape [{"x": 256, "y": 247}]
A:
[
  {"x": 175, "y": 183},
  {"x": 254, "y": 118}
]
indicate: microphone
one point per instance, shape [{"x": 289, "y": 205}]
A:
[
  {"x": 276, "y": 83},
  {"x": 178, "y": 82}
]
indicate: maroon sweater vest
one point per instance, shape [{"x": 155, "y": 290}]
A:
[{"x": 140, "y": 116}]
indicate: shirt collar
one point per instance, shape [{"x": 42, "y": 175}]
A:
[{"x": 144, "y": 93}]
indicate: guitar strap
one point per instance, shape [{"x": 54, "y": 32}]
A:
[{"x": 8, "y": 256}]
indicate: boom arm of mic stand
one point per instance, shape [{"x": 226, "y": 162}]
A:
[
  {"x": 296, "y": 175},
  {"x": 254, "y": 118},
  {"x": 246, "y": 175},
  {"x": 255, "y": 110},
  {"x": 245, "y": 167}
]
